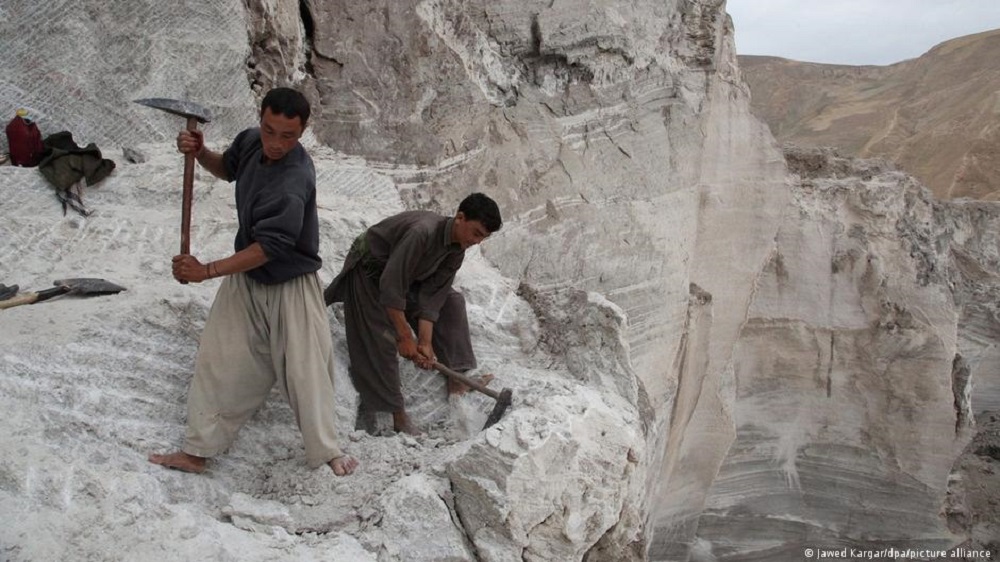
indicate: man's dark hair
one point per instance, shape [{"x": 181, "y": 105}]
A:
[
  {"x": 478, "y": 207},
  {"x": 288, "y": 102}
]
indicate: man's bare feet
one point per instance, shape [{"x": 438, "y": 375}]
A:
[
  {"x": 401, "y": 423},
  {"x": 343, "y": 465},
  {"x": 459, "y": 388},
  {"x": 180, "y": 461}
]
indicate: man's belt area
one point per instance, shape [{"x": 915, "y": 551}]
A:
[{"x": 371, "y": 267}]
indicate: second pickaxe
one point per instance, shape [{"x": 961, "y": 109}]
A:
[
  {"x": 77, "y": 286},
  {"x": 195, "y": 114}
]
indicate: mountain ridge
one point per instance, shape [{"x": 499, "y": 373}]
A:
[{"x": 936, "y": 116}]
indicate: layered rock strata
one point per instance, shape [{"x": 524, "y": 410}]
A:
[
  {"x": 849, "y": 410},
  {"x": 619, "y": 142}
]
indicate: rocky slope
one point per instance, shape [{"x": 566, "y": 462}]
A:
[
  {"x": 935, "y": 116},
  {"x": 711, "y": 358}
]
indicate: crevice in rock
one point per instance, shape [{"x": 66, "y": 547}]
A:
[
  {"x": 536, "y": 37},
  {"x": 961, "y": 374},
  {"x": 607, "y": 547},
  {"x": 309, "y": 38},
  {"x": 280, "y": 41},
  {"x": 829, "y": 366},
  {"x": 616, "y": 145},
  {"x": 456, "y": 519},
  {"x": 548, "y": 68}
]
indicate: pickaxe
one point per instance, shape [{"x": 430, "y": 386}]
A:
[
  {"x": 79, "y": 286},
  {"x": 503, "y": 398},
  {"x": 195, "y": 114}
]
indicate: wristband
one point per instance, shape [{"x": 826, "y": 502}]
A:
[{"x": 208, "y": 273}]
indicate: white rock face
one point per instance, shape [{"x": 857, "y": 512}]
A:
[
  {"x": 620, "y": 145},
  {"x": 708, "y": 359},
  {"x": 417, "y": 523},
  {"x": 549, "y": 485},
  {"x": 77, "y": 67},
  {"x": 846, "y": 425}
]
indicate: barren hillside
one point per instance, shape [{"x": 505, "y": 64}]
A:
[{"x": 935, "y": 116}]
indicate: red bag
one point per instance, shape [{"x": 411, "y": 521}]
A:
[{"x": 24, "y": 140}]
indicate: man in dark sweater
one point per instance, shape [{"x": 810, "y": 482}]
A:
[
  {"x": 268, "y": 322},
  {"x": 398, "y": 276}
]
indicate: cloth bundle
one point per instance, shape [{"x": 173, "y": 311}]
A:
[{"x": 66, "y": 166}]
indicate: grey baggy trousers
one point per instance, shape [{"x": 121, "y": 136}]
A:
[{"x": 257, "y": 335}]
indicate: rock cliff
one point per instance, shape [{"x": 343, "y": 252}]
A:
[
  {"x": 852, "y": 370},
  {"x": 717, "y": 351}
]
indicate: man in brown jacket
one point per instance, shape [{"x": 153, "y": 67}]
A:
[{"x": 397, "y": 276}]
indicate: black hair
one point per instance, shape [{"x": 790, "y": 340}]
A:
[
  {"x": 288, "y": 102},
  {"x": 478, "y": 207}
]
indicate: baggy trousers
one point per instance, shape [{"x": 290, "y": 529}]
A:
[
  {"x": 371, "y": 341},
  {"x": 257, "y": 335}
]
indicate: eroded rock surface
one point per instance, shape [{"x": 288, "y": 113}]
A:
[{"x": 846, "y": 421}]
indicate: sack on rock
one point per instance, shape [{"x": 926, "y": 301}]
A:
[{"x": 24, "y": 141}]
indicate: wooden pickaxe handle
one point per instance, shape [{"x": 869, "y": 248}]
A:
[
  {"x": 188, "y": 196},
  {"x": 32, "y": 297},
  {"x": 194, "y": 114},
  {"x": 503, "y": 398},
  {"x": 466, "y": 380}
]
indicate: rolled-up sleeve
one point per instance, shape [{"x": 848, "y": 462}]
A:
[{"x": 278, "y": 224}]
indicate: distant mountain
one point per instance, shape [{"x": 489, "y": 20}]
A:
[{"x": 936, "y": 116}]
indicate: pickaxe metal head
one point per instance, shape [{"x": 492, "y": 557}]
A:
[
  {"x": 178, "y": 107},
  {"x": 500, "y": 408},
  {"x": 88, "y": 286}
]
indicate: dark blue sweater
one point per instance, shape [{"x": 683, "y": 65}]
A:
[{"x": 276, "y": 206}]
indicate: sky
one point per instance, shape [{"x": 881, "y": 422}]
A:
[{"x": 855, "y": 32}]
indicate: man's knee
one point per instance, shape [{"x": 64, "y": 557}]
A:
[{"x": 454, "y": 303}]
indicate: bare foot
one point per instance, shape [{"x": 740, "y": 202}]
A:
[
  {"x": 401, "y": 424},
  {"x": 459, "y": 388},
  {"x": 180, "y": 461},
  {"x": 343, "y": 465}
]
